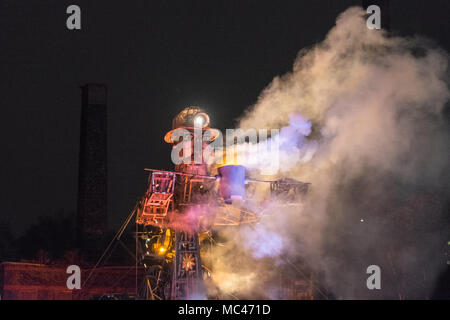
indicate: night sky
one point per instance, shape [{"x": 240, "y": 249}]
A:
[{"x": 156, "y": 57}]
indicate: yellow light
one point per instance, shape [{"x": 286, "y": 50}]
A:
[
  {"x": 162, "y": 249},
  {"x": 229, "y": 156}
]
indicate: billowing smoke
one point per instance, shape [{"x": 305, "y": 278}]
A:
[{"x": 361, "y": 118}]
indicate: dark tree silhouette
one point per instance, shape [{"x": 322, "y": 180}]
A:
[
  {"x": 50, "y": 238},
  {"x": 7, "y": 248}
]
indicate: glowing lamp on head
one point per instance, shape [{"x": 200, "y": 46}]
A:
[
  {"x": 201, "y": 120},
  {"x": 189, "y": 119}
]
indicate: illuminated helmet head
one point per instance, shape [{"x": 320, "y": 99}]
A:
[{"x": 190, "y": 118}]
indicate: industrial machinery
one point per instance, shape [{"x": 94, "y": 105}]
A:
[{"x": 181, "y": 208}]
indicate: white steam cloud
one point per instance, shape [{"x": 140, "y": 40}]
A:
[{"x": 361, "y": 118}]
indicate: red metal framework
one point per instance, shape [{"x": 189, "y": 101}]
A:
[{"x": 159, "y": 199}]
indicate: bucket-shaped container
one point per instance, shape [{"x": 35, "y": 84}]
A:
[{"x": 232, "y": 182}]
